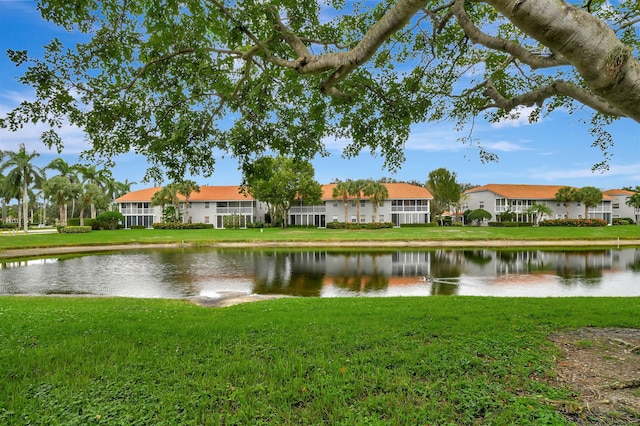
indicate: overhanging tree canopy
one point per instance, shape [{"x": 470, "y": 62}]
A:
[{"x": 175, "y": 79}]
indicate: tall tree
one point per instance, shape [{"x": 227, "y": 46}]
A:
[
  {"x": 356, "y": 190},
  {"x": 92, "y": 196},
  {"x": 60, "y": 189},
  {"x": 282, "y": 182},
  {"x": 341, "y": 190},
  {"x": 161, "y": 80},
  {"x": 186, "y": 188},
  {"x": 167, "y": 196},
  {"x": 567, "y": 195},
  {"x": 70, "y": 172},
  {"x": 377, "y": 193},
  {"x": 91, "y": 175},
  {"x": 22, "y": 170},
  {"x": 445, "y": 189},
  {"x": 589, "y": 196}
]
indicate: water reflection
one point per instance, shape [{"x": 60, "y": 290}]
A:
[{"x": 175, "y": 273}]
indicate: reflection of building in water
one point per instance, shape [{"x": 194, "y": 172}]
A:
[{"x": 370, "y": 271}]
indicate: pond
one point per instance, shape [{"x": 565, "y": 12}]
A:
[{"x": 182, "y": 272}]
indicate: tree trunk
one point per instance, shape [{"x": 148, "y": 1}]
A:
[{"x": 25, "y": 205}]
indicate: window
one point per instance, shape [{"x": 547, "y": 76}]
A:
[
  {"x": 353, "y": 219},
  {"x": 481, "y": 205},
  {"x": 381, "y": 218},
  {"x": 362, "y": 203},
  {"x": 353, "y": 204},
  {"x": 335, "y": 204},
  {"x": 206, "y": 219},
  {"x": 616, "y": 205},
  {"x": 363, "y": 219},
  {"x": 206, "y": 206},
  {"x": 334, "y": 219}
]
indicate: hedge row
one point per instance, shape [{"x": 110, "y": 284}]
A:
[
  {"x": 182, "y": 226},
  {"x": 574, "y": 222},
  {"x": 350, "y": 225},
  {"x": 511, "y": 224},
  {"x": 74, "y": 229}
]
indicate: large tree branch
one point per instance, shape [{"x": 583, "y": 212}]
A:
[
  {"x": 344, "y": 62},
  {"x": 606, "y": 65},
  {"x": 535, "y": 61},
  {"x": 538, "y": 96}
]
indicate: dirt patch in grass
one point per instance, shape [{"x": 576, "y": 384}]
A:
[{"x": 602, "y": 365}]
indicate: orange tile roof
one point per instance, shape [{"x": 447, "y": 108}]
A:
[
  {"x": 207, "y": 193},
  {"x": 618, "y": 192},
  {"x": 397, "y": 191},
  {"x": 529, "y": 192}
]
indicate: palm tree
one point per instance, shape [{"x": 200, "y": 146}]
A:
[
  {"x": 69, "y": 172},
  {"x": 634, "y": 201},
  {"x": 566, "y": 195},
  {"x": 60, "y": 190},
  {"x": 22, "y": 171},
  {"x": 590, "y": 196},
  {"x": 377, "y": 193},
  {"x": 341, "y": 190},
  {"x": 356, "y": 188},
  {"x": 91, "y": 175},
  {"x": 163, "y": 197},
  {"x": 186, "y": 188}
]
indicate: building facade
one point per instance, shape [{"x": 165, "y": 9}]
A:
[
  {"x": 406, "y": 204},
  {"x": 619, "y": 204},
  {"x": 501, "y": 198}
]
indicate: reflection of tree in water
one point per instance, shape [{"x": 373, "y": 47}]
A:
[
  {"x": 356, "y": 281},
  {"x": 579, "y": 272},
  {"x": 306, "y": 285},
  {"x": 634, "y": 265},
  {"x": 445, "y": 264},
  {"x": 477, "y": 257}
]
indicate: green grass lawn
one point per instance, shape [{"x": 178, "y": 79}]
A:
[
  {"x": 211, "y": 236},
  {"x": 453, "y": 360}
]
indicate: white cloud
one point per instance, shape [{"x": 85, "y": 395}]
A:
[
  {"x": 518, "y": 117},
  {"x": 504, "y": 146},
  {"x": 72, "y": 136},
  {"x": 629, "y": 172}
]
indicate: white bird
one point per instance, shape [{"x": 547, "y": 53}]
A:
[{"x": 427, "y": 279}]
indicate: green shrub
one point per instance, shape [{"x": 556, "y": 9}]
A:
[
  {"x": 623, "y": 221},
  {"x": 138, "y": 227},
  {"x": 255, "y": 225},
  {"x": 574, "y": 222},
  {"x": 76, "y": 229},
  {"x": 110, "y": 220}
]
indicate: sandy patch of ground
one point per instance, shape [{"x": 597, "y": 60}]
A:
[{"x": 602, "y": 365}]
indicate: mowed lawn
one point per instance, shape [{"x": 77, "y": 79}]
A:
[
  {"x": 432, "y": 360},
  {"x": 213, "y": 236}
]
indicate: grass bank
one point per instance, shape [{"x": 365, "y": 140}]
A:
[
  {"x": 319, "y": 236},
  {"x": 451, "y": 360}
]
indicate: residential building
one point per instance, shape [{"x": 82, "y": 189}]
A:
[
  {"x": 210, "y": 205},
  {"x": 619, "y": 205},
  {"x": 500, "y": 198},
  {"x": 405, "y": 204}
]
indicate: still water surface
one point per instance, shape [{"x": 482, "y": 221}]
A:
[{"x": 178, "y": 273}]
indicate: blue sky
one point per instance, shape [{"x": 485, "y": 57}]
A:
[{"x": 556, "y": 151}]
